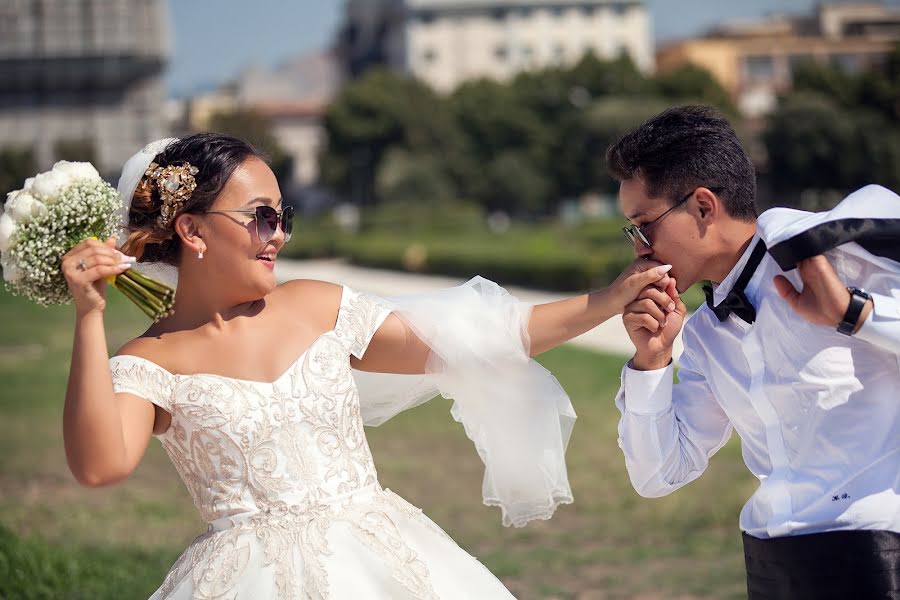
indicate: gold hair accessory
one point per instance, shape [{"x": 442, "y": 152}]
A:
[{"x": 175, "y": 183}]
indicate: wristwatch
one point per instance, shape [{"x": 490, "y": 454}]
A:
[{"x": 858, "y": 299}]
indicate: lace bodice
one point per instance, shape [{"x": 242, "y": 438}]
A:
[{"x": 247, "y": 447}]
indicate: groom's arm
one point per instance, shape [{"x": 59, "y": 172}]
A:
[
  {"x": 824, "y": 299},
  {"x": 669, "y": 431}
]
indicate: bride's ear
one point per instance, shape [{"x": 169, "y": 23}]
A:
[{"x": 187, "y": 227}]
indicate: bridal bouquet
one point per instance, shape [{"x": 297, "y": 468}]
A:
[{"x": 52, "y": 213}]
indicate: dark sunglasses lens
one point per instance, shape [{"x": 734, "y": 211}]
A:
[
  {"x": 287, "y": 222},
  {"x": 266, "y": 222}
]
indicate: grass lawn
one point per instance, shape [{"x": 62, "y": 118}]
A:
[{"x": 58, "y": 539}]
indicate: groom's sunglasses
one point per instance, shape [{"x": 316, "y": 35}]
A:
[
  {"x": 639, "y": 232},
  {"x": 267, "y": 220}
]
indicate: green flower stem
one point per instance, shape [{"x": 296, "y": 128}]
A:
[
  {"x": 154, "y": 298},
  {"x": 135, "y": 294},
  {"x": 148, "y": 297},
  {"x": 136, "y": 300},
  {"x": 148, "y": 282},
  {"x": 136, "y": 285}
]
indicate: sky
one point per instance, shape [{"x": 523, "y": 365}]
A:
[{"x": 214, "y": 40}]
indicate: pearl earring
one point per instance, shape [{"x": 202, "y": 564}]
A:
[{"x": 200, "y": 255}]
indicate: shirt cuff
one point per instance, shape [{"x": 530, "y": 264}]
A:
[
  {"x": 882, "y": 326},
  {"x": 647, "y": 392}
]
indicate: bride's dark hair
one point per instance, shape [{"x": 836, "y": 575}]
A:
[{"x": 216, "y": 156}]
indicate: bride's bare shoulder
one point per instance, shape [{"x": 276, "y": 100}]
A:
[
  {"x": 153, "y": 348},
  {"x": 311, "y": 297},
  {"x": 310, "y": 288}
]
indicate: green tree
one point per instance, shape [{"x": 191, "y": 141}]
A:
[
  {"x": 495, "y": 120},
  {"x": 691, "y": 83},
  {"x": 880, "y": 88},
  {"x": 16, "y": 165},
  {"x": 519, "y": 187},
  {"x": 580, "y": 164},
  {"x": 610, "y": 77},
  {"x": 413, "y": 178},
  {"x": 837, "y": 130},
  {"x": 814, "y": 143},
  {"x": 379, "y": 111},
  {"x": 837, "y": 84}
]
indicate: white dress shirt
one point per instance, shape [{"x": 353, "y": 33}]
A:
[{"x": 818, "y": 413}]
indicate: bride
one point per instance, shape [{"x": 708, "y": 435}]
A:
[{"x": 259, "y": 392}]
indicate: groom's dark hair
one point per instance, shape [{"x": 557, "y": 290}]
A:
[{"x": 684, "y": 148}]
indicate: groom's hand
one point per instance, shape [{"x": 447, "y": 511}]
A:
[
  {"x": 653, "y": 322},
  {"x": 824, "y": 298}
]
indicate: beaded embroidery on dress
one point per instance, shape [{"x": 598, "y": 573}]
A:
[{"x": 283, "y": 474}]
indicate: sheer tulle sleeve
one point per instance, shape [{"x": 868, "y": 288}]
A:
[{"x": 513, "y": 410}]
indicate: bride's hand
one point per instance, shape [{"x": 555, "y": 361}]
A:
[
  {"x": 639, "y": 275},
  {"x": 652, "y": 330},
  {"x": 85, "y": 268}
]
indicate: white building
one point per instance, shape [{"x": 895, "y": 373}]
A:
[
  {"x": 445, "y": 42},
  {"x": 86, "y": 73}
]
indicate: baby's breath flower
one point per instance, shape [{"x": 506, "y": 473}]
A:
[
  {"x": 36, "y": 245},
  {"x": 52, "y": 213}
]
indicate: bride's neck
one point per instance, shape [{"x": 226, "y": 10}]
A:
[{"x": 203, "y": 307}]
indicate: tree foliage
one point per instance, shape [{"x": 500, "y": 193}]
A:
[
  {"x": 16, "y": 164},
  {"x": 521, "y": 146},
  {"x": 837, "y": 130}
]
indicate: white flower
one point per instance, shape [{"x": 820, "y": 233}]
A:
[
  {"x": 28, "y": 183},
  {"x": 7, "y": 227},
  {"x": 23, "y": 207},
  {"x": 77, "y": 170},
  {"x": 47, "y": 186},
  {"x": 11, "y": 272}
]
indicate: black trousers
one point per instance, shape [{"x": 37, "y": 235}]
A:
[{"x": 847, "y": 565}]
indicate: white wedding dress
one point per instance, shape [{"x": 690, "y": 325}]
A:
[{"x": 283, "y": 475}]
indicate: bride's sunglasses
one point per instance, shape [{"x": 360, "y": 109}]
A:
[{"x": 267, "y": 220}]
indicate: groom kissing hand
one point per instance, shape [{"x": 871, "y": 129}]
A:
[{"x": 797, "y": 348}]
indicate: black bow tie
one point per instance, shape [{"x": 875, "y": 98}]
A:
[{"x": 736, "y": 301}]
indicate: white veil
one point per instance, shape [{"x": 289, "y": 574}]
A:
[
  {"x": 513, "y": 409},
  {"x": 132, "y": 173}
]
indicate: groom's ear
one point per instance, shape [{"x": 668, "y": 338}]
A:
[{"x": 709, "y": 206}]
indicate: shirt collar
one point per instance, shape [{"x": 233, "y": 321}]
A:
[{"x": 720, "y": 290}]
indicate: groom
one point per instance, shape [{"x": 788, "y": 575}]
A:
[{"x": 804, "y": 368}]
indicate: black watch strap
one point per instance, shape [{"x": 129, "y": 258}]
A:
[{"x": 858, "y": 299}]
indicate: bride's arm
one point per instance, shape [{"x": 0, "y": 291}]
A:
[
  {"x": 105, "y": 434},
  {"x": 395, "y": 348},
  {"x": 554, "y": 323}
]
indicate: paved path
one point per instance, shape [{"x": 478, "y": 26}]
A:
[{"x": 607, "y": 337}]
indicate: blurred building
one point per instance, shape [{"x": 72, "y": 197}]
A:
[
  {"x": 293, "y": 97},
  {"x": 86, "y": 76},
  {"x": 445, "y": 42},
  {"x": 755, "y": 60}
]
